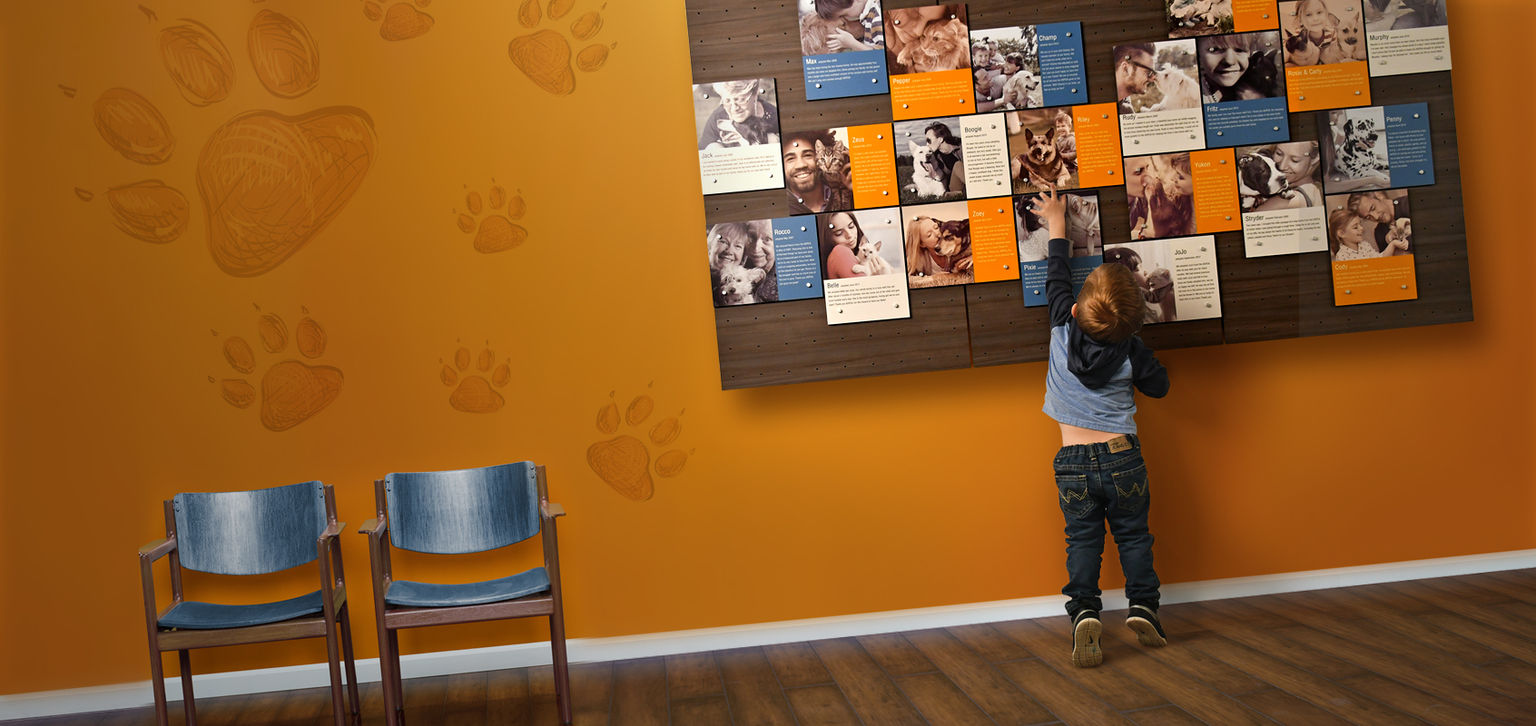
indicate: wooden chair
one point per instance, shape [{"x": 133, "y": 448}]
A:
[
  {"x": 249, "y": 533},
  {"x": 460, "y": 512}
]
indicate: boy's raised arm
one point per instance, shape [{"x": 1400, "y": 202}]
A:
[{"x": 1058, "y": 273}]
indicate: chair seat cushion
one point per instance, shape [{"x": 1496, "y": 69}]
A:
[
  {"x": 430, "y": 595},
  {"x": 193, "y": 615}
]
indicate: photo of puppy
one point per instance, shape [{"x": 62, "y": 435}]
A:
[
  {"x": 928, "y": 39},
  {"x": 1179, "y": 88},
  {"x": 1042, "y": 150},
  {"x": 1356, "y": 156},
  {"x": 735, "y": 285}
]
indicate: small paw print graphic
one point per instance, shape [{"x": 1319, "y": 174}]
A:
[
  {"x": 291, "y": 391},
  {"x": 545, "y": 55},
  {"x": 472, "y": 391},
  {"x": 401, "y": 21},
  {"x": 624, "y": 462},
  {"x": 495, "y": 232}
]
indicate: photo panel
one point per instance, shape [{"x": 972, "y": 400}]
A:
[
  {"x": 763, "y": 261},
  {"x": 1072, "y": 147},
  {"x": 842, "y": 49},
  {"x": 1190, "y": 18},
  {"x": 1083, "y": 231},
  {"x": 928, "y": 57},
  {"x": 1177, "y": 277},
  {"x": 1370, "y": 245},
  {"x": 1407, "y": 36},
  {"x": 863, "y": 265},
  {"x": 1187, "y": 193},
  {"x": 738, "y": 127},
  {"x": 1242, "y": 85},
  {"x": 1326, "y": 62},
  {"x": 930, "y": 160},
  {"x": 828, "y": 170},
  {"x": 1281, "y": 188},
  {"x": 1158, "y": 87},
  {"x": 1376, "y": 147},
  {"x": 1028, "y": 66},
  {"x": 937, "y": 244}
]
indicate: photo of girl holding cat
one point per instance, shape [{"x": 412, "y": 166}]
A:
[{"x": 860, "y": 244}]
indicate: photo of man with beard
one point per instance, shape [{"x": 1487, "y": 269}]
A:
[{"x": 812, "y": 191}]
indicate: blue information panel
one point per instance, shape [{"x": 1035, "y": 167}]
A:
[
  {"x": 844, "y": 75},
  {"x": 797, "y": 266},
  {"x": 1246, "y": 123},
  {"x": 1064, "y": 75}
]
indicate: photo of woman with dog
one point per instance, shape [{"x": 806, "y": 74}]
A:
[
  {"x": 930, "y": 162},
  {"x": 1287, "y": 176},
  {"x": 1151, "y": 266},
  {"x": 1009, "y": 76},
  {"x": 840, "y": 26},
  {"x": 927, "y": 39},
  {"x": 860, "y": 244},
  {"x": 1369, "y": 225},
  {"x": 1322, "y": 32},
  {"x": 1042, "y": 150},
  {"x": 938, "y": 245},
  {"x": 741, "y": 263},
  {"x": 1160, "y": 194},
  {"x": 1240, "y": 67},
  {"x": 1355, "y": 155},
  {"x": 1157, "y": 76}
]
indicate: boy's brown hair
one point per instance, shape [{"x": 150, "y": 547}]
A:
[{"x": 1111, "y": 306}]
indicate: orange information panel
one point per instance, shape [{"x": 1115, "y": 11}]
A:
[
  {"x": 1097, "y": 128},
  {"x": 1336, "y": 85},
  {"x": 993, "y": 247},
  {"x": 872, "y": 161},
  {"x": 1214, "y": 173},
  {"x": 1250, "y": 15},
  {"x": 1383, "y": 279},
  {"x": 940, "y": 93},
  {"x": 1370, "y": 242}
]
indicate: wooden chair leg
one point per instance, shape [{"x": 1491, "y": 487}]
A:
[
  {"x": 333, "y": 662},
  {"x": 388, "y": 676},
  {"x": 562, "y": 669},
  {"x": 188, "y": 704},
  {"x": 351, "y": 663},
  {"x": 157, "y": 684},
  {"x": 394, "y": 655}
]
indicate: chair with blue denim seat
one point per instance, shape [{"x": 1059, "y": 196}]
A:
[
  {"x": 462, "y": 512},
  {"x": 249, "y": 533}
]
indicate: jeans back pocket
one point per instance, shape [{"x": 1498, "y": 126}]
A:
[
  {"x": 1132, "y": 492},
  {"x": 1073, "y": 490}
]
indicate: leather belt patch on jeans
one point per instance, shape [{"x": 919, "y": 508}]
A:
[{"x": 1119, "y": 444}]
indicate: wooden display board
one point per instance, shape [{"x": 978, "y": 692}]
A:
[{"x": 1264, "y": 298}]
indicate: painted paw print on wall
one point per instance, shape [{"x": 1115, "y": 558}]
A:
[
  {"x": 472, "y": 392},
  {"x": 401, "y": 21},
  {"x": 545, "y": 55},
  {"x": 494, "y": 232},
  {"x": 269, "y": 182},
  {"x": 624, "y": 462},
  {"x": 291, "y": 391}
]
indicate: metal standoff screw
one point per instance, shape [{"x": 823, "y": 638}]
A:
[
  {"x": 1074, "y": 90},
  {"x": 1202, "y": 249},
  {"x": 904, "y": 106},
  {"x": 1069, "y": 33},
  {"x": 874, "y": 80},
  {"x": 1266, "y": 16},
  {"x": 706, "y": 95},
  {"x": 818, "y": 85},
  {"x": 1421, "y": 172},
  {"x": 1207, "y": 304},
  {"x": 1349, "y": 292},
  {"x": 1357, "y": 93},
  {"x": 1405, "y": 287},
  {"x": 1103, "y": 115},
  {"x": 1229, "y": 218},
  {"x": 1005, "y": 267},
  {"x": 879, "y": 136},
  {"x": 1037, "y": 292},
  {"x": 807, "y": 284},
  {"x": 1223, "y": 160},
  {"x": 1221, "y": 133},
  {"x": 1276, "y": 128},
  {"x": 1301, "y": 98},
  {"x": 802, "y": 228},
  {"x": 1415, "y": 115},
  {"x": 1258, "y": 244},
  {"x": 885, "y": 192}
]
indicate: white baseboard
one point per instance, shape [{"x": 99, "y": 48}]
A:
[{"x": 590, "y": 650}]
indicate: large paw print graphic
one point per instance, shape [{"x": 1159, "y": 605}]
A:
[
  {"x": 269, "y": 182},
  {"x": 291, "y": 391},
  {"x": 494, "y": 232},
  {"x": 472, "y": 391},
  {"x": 624, "y": 462},
  {"x": 545, "y": 56},
  {"x": 400, "y": 21}
]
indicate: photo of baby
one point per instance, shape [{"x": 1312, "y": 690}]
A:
[
  {"x": 1082, "y": 226},
  {"x": 938, "y": 245},
  {"x": 930, "y": 162},
  {"x": 1240, "y": 67},
  {"x": 1382, "y": 15},
  {"x": 741, "y": 263},
  {"x": 840, "y": 26},
  {"x": 1042, "y": 150},
  {"x": 1369, "y": 225},
  {"x": 734, "y": 114},
  {"x": 1157, "y": 76},
  {"x": 1187, "y": 18},
  {"x": 1151, "y": 265},
  {"x": 1355, "y": 150},
  {"x": 1279, "y": 176},
  {"x": 1006, "y": 65},
  {"x": 1320, "y": 32},
  {"x": 1160, "y": 195},
  {"x": 927, "y": 39},
  {"x": 866, "y": 243}
]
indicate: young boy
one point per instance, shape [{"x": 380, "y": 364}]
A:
[{"x": 1095, "y": 359}]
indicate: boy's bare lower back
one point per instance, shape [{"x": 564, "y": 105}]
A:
[{"x": 1071, "y": 435}]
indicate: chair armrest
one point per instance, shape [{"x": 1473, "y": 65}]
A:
[
  {"x": 374, "y": 525},
  {"x": 333, "y": 530},
  {"x": 157, "y": 549},
  {"x": 550, "y": 510}
]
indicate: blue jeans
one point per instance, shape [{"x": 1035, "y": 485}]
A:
[{"x": 1095, "y": 486}]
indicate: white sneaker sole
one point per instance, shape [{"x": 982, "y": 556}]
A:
[
  {"x": 1085, "y": 643},
  {"x": 1146, "y": 633}
]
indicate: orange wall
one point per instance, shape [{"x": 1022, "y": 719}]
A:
[{"x": 794, "y": 502}]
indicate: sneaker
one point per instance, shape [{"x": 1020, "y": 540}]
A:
[
  {"x": 1149, "y": 630},
  {"x": 1086, "y": 629}
]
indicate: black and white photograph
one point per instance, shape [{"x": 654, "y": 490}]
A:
[
  {"x": 927, "y": 39},
  {"x": 1384, "y": 15},
  {"x": 734, "y": 114},
  {"x": 840, "y": 26},
  {"x": 818, "y": 171},
  {"x": 930, "y": 160},
  {"x": 1187, "y": 18},
  {"x": 1042, "y": 150},
  {"x": 1240, "y": 67},
  {"x": 1355, "y": 150},
  {"x": 1369, "y": 225},
  {"x": 938, "y": 245},
  {"x": 1272, "y": 177},
  {"x": 1006, "y": 65},
  {"x": 1083, "y": 226},
  {"x": 741, "y": 263},
  {"x": 1160, "y": 196},
  {"x": 1322, "y": 32}
]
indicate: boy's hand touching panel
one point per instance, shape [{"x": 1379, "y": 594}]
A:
[{"x": 1052, "y": 208}]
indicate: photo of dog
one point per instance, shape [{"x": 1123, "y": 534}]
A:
[
  {"x": 741, "y": 263},
  {"x": 735, "y": 287},
  {"x": 1083, "y": 226},
  {"x": 927, "y": 39},
  {"x": 1383, "y": 15},
  {"x": 855, "y": 25},
  {"x": 1042, "y": 150},
  {"x": 1355, "y": 155},
  {"x": 938, "y": 245},
  {"x": 1187, "y": 18},
  {"x": 1175, "y": 82},
  {"x": 1151, "y": 266},
  {"x": 1258, "y": 180},
  {"x": 1321, "y": 32},
  {"x": 1006, "y": 66},
  {"x": 1160, "y": 195},
  {"x": 929, "y": 160}
]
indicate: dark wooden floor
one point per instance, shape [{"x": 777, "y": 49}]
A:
[{"x": 1458, "y": 650}]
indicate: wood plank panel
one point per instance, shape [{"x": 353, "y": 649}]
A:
[
  {"x": 875, "y": 699},
  {"x": 1054, "y": 648}
]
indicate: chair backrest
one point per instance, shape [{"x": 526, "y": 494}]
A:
[
  {"x": 252, "y": 532},
  {"x": 468, "y": 510}
]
